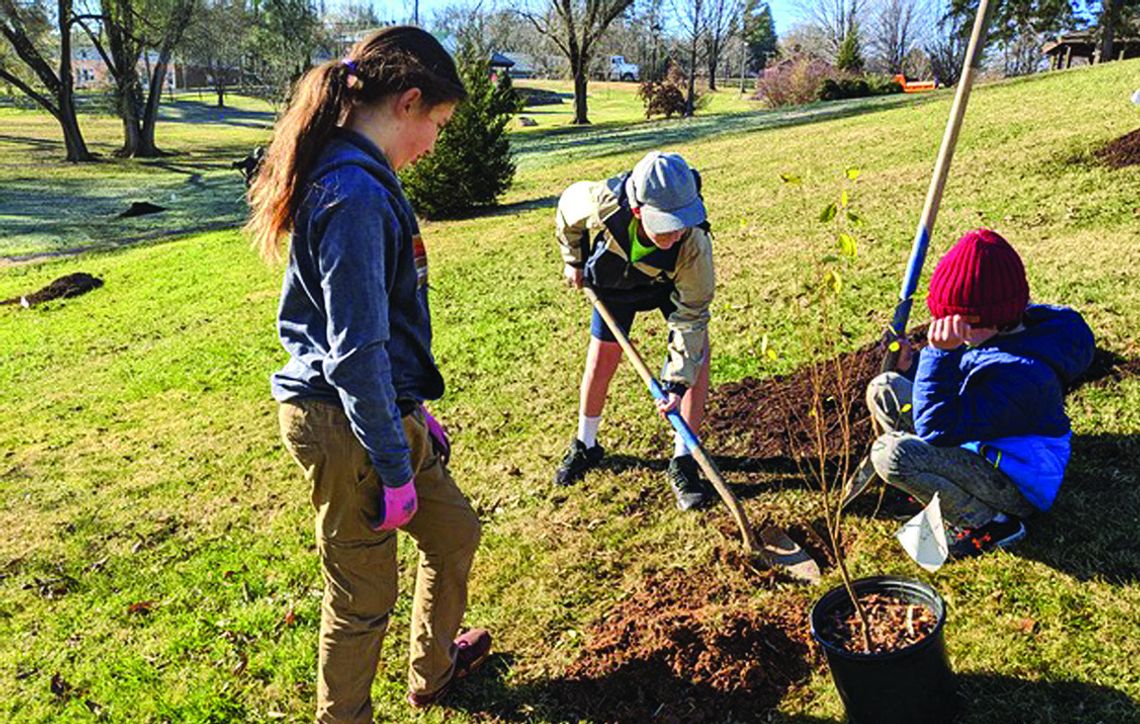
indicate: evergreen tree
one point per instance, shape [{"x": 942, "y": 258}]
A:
[
  {"x": 471, "y": 165},
  {"x": 850, "y": 54},
  {"x": 759, "y": 34}
]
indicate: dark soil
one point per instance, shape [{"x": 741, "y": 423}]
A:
[
  {"x": 71, "y": 285},
  {"x": 1124, "y": 151},
  {"x": 894, "y": 625},
  {"x": 767, "y": 418},
  {"x": 688, "y": 647},
  {"x": 141, "y": 208}
]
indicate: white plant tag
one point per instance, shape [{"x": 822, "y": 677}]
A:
[{"x": 923, "y": 537}]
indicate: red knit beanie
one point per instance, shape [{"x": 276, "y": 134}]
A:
[{"x": 981, "y": 278}]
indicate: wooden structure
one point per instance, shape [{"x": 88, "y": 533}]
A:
[{"x": 1083, "y": 46}]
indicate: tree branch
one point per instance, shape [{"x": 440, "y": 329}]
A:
[{"x": 30, "y": 92}]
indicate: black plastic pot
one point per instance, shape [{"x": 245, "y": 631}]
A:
[{"x": 909, "y": 686}]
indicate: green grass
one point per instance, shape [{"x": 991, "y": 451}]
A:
[{"x": 139, "y": 459}]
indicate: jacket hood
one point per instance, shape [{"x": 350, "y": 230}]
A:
[
  {"x": 1057, "y": 336},
  {"x": 349, "y": 148}
]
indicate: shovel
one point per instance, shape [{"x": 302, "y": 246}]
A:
[{"x": 775, "y": 549}]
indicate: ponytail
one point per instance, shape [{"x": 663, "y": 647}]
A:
[{"x": 388, "y": 62}]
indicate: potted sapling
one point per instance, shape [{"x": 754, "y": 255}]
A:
[{"x": 883, "y": 637}]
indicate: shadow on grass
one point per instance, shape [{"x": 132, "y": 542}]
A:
[
  {"x": 983, "y": 699},
  {"x": 1091, "y": 530},
  {"x": 638, "y": 690},
  {"x": 518, "y": 207},
  {"x": 987, "y": 698},
  {"x": 620, "y": 137},
  {"x": 193, "y": 111}
]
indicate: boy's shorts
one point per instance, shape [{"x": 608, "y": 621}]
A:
[{"x": 624, "y": 312}]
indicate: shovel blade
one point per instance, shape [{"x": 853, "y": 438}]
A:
[{"x": 784, "y": 554}]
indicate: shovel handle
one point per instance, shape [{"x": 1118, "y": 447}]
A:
[{"x": 682, "y": 428}]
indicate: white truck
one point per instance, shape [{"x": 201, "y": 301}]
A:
[{"x": 618, "y": 69}]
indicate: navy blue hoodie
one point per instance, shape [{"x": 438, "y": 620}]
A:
[
  {"x": 1005, "y": 399},
  {"x": 354, "y": 310}
]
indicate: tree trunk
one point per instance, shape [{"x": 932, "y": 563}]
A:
[
  {"x": 68, "y": 120},
  {"x": 1109, "y": 19},
  {"x": 581, "y": 78},
  {"x": 221, "y": 89},
  {"x": 690, "y": 102},
  {"x": 714, "y": 60}
]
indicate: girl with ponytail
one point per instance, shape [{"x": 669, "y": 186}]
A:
[{"x": 354, "y": 319}]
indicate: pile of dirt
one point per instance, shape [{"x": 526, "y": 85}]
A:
[
  {"x": 141, "y": 208},
  {"x": 688, "y": 647},
  {"x": 1124, "y": 151},
  {"x": 64, "y": 287},
  {"x": 768, "y": 418},
  {"x": 894, "y": 625}
]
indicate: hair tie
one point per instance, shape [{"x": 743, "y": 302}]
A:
[{"x": 353, "y": 79}]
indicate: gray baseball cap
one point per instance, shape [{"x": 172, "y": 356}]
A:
[{"x": 663, "y": 186}]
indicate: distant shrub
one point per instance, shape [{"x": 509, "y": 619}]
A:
[
  {"x": 839, "y": 87},
  {"x": 667, "y": 97},
  {"x": 793, "y": 82}
]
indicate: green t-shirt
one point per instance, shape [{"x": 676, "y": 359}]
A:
[{"x": 638, "y": 250}]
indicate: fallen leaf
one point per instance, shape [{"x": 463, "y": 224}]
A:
[
  {"x": 239, "y": 667},
  {"x": 141, "y": 607},
  {"x": 1026, "y": 625},
  {"x": 290, "y": 617},
  {"x": 59, "y": 687}
]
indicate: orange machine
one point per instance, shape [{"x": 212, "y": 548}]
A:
[{"x": 915, "y": 86}]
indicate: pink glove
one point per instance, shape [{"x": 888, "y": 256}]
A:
[
  {"x": 438, "y": 435},
  {"x": 399, "y": 506}
]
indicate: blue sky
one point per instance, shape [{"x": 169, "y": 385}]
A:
[{"x": 784, "y": 11}]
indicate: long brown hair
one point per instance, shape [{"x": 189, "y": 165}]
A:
[{"x": 387, "y": 62}]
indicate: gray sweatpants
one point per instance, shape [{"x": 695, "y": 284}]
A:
[{"x": 971, "y": 490}]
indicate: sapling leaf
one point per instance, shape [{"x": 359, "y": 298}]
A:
[
  {"x": 829, "y": 259},
  {"x": 772, "y": 354},
  {"x": 764, "y": 344},
  {"x": 828, "y": 213},
  {"x": 852, "y": 173},
  {"x": 847, "y": 245},
  {"x": 894, "y": 346},
  {"x": 833, "y": 280},
  {"x": 854, "y": 218},
  {"x": 789, "y": 178},
  {"x": 843, "y": 198},
  {"x": 906, "y": 407}
]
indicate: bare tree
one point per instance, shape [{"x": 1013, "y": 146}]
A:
[
  {"x": 215, "y": 42},
  {"x": 896, "y": 28},
  {"x": 122, "y": 30},
  {"x": 575, "y": 27},
  {"x": 691, "y": 16},
  {"x": 722, "y": 21},
  {"x": 835, "y": 19},
  {"x": 25, "y": 27}
]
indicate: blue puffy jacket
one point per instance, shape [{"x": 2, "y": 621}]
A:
[{"x": 1005, "y": 399}]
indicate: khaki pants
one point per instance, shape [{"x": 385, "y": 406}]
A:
[{"x": 359, "y": 565}]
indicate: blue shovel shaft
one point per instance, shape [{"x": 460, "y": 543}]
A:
[
  {"x": 971, "y": 63},
  {"x": 703, "y": 460},
  {"x": 674, "y": 417}
]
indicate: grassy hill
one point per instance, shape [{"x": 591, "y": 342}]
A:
[{"x": 157, "y": 562}]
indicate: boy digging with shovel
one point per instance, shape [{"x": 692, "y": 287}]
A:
[{"x": 641, "y": 241}]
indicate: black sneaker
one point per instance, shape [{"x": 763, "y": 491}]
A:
[
  {"x": 970, "y": 542},
  {"x": 685, "y": 479},
  {"x": 899, "y": 505},
  {"x": 578, "y": 460}
]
